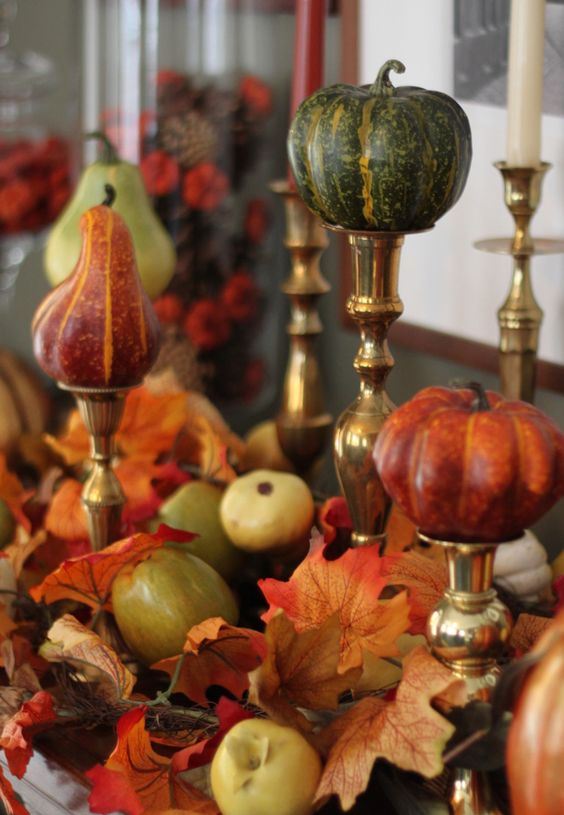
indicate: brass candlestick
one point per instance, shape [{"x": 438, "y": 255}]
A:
[
  {"x": 302, "y": 422},
  {"x": 520, "y": 317},
  {"x": 468, "y": 631},
  {"x": 374, "y": 304},
  {"x": 101, "y": 410}
]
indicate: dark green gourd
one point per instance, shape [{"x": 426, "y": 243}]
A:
[{"x": 378, "y": 157}]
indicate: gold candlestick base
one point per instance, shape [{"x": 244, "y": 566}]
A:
[
  {"x": 374, "y": 304},
  {"x": 101, "y": 410},
  {"x": 468, "y": 631},
  {"x": 520, "y": 317},
  {"x": 302, "y": 422}
]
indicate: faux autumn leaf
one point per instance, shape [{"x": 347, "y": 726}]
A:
[
  {"x": 22, "y": 547},
  {"x": 216, "y": 653},
  {"x": 8, "y": 798},
  {"x": 149, "y": 775},
  {"x": 139, "y": 477},
  {"x": 424, "y": 578},
  {"x": 400, "y": 531},
  {"x": 66, "y": 516},
  {"x": 300, "y": 669},
  {"x": 349, "y": 587},
  {"x": 33, "y": 716},
  {"x": 88, "y": 579},
  {"x": 112, "y": 792},
  {"x": 408, "y": 732},
  {"x": 70, "y": 641},
  {"x": 13, "y": 494},
  {"x": 526, "y": 632}
]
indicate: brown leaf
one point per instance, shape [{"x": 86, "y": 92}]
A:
[
  {"x": 301, "y": 669},
  {"x": 216, "y": 653},
  {"x": 424, "y": 578},
  {"x": 408, "y": 732},
  {"x": 22, "y": 547},
  {"x": 349, "y": 587},
  {"x": 526, "y": 631},
  {"x": 70, "y": 641}
]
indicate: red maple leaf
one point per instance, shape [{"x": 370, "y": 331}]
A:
[{"x": 31, "y": 718}]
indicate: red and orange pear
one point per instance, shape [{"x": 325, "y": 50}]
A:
[{"x": 98, "y": 329}]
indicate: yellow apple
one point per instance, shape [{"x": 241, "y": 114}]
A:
[
  {"x": 267, "y": 511},
  {"x": 262, "y": 768},
  {"x": 194, "y": 507},
  {"x": 263, "y": 450}
]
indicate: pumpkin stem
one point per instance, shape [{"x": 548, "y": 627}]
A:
[
  {"x": 481, "y": 402},
  {"x": 110, "y": 195},
  {"x": 109, "y": 153},
  {"x": 383, "y": 85}
]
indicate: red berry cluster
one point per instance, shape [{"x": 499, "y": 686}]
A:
[{"x": 34, "y": 183}]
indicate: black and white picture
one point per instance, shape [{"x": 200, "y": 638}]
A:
[{"x": 481, "y": 37}]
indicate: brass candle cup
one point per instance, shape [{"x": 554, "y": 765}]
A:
[
  {"x": 468, "y": 631},
  {"x": 520, "y": 316},
  {"x": 302, "y": 422},
  {"x": 101, "y": 410},
  {"x": 374, "y": 304}
]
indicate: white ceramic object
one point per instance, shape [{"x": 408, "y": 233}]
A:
[{"x": 521, "y": 567}]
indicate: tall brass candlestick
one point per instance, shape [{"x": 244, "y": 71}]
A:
[
  {"x": 302, "y": 422},
  {"x": 468, "y": 631},
  {"x": 101, "y": 410},
  {"x": 520, "y": 317},
  {"x": 374, "y": 304}
]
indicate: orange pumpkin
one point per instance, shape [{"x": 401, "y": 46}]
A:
[
  {"x": 467, "y": 465},
  {"x": 535, "y": 746}
]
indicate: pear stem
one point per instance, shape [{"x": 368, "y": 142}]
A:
[
  {"x": 110, "y": 195},
  {"x": 109, "y": 153}
]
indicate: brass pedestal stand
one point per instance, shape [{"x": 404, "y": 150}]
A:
[
  {"x": 374, "y": 304},
  {"x": 520, "y": 316},
  {"x": 302, "y": 422},
  {"x": 468, "y": 631},
  {"x": 101, "y": 410}
]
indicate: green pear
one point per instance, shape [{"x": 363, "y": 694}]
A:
[
  {"x": 154, "y": 249},
  {"x": 194, "y": 507}
]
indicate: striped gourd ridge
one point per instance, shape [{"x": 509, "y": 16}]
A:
[
  {"x": 377, "y": 157},
  {"x": 98, "y": 329}
]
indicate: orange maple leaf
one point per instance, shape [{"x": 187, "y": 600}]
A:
[
  {"x": 135, "y": 778},
  {"x": 9, "y": 799},
  {"x": 408, "y": 732},
  {"x": 66, "y": 516},
  {"x": 88, "y": 579},
  {"x": 526, "y": 631},
  {"x": 70, "y": 641},
  {"x": 33, "y": 716},
  {"x": 216, "y": 653},
  {"x": 424, "y": 578},
  {"x": 349, "y": 587},
  {"x": 13, "y": 494},
  {"x": 300, "y": 669},
  {"x": 22, "y": 547},
  {"x": 400, "y": 531}
]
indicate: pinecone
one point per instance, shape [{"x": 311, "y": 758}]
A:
[
  {"x": 190, "y": 138},
  {"x": 177, "y": 363}
]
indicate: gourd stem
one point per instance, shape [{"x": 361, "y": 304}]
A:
[
  {"x": 110, "y": 195},
  {"x": 481, "y": 402},
  {"x": 382, "y": 84},
  {"x": 109, "y": 153}
]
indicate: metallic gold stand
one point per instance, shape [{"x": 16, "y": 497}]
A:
[
  {"x": 374, "y": 304},
  {"x": 468, "y": 631},
  {"x": 302, "y": 422},
  {"x": 520, "y": 316},
  {"x": 101, "y": 410}
]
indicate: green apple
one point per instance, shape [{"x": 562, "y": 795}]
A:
[
  {"x": 194, "y": 507},
  {"x": 156, "y": 602},
  {"x": 262, "y": 767}
]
